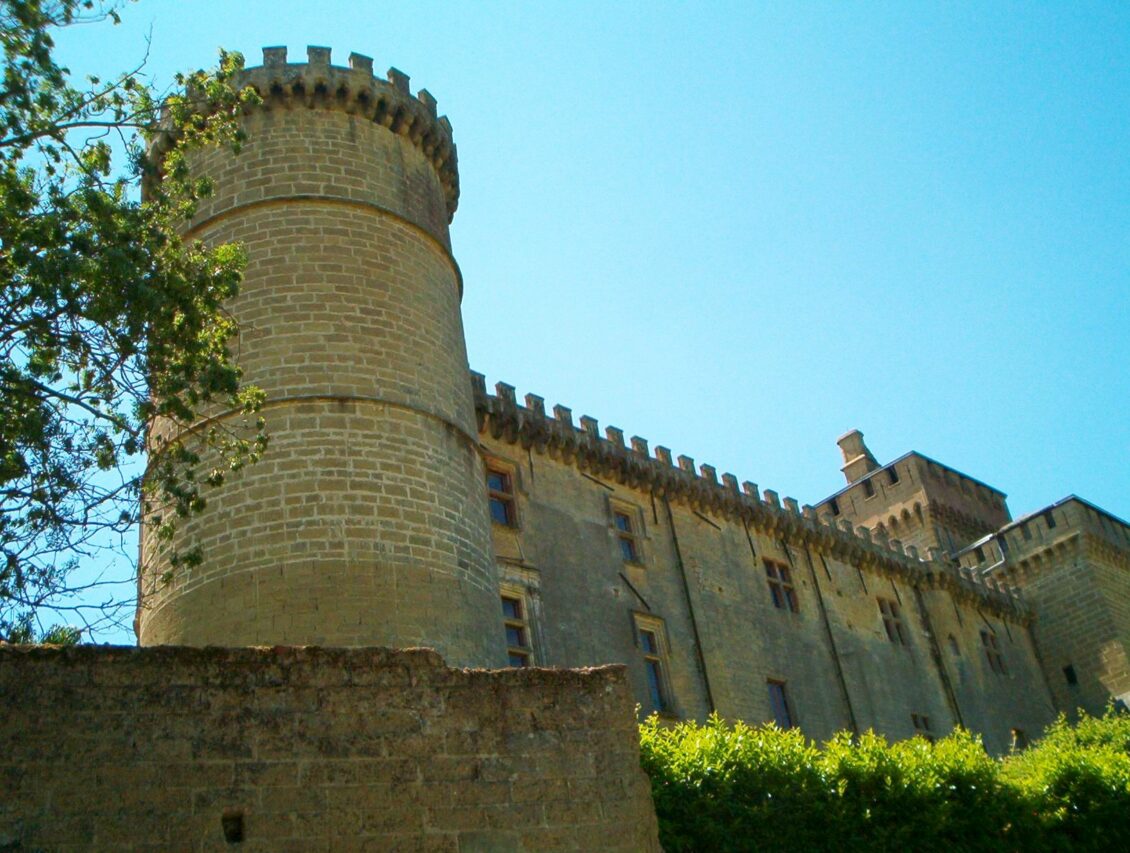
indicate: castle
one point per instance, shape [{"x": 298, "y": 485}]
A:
[{"x": 403, "y": 504}]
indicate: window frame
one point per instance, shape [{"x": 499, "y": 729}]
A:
[
  {"x": 782, "y": 588},
  {"x": 991, "y": 645},
  {"x": 922, "y": 727},
  {"x": 629, "y": 539},
  {"x": 507, "y": 499},
  {"x": 891, "y": 614},
  {"x": 520, "y": 622},
  {"x": 778, "y": 690},
  {"x": 656, "y": 662}
]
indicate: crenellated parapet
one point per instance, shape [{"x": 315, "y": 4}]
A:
[
  {"x": 633, "y": 464},
  {"x": 357, "y": 92}
]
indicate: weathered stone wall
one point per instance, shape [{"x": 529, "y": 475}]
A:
[
  {"x": 929, "y": 505},
  {"x": 991, "y": 702},
  {"x": 700, "y": 575},
  {"x": 1072, "y": 561},
  {"x": 366, "y": 524},
  {"x": 334, "y": 749}
]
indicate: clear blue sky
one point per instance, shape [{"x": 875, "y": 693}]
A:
[{"x": 741, "y": 229}]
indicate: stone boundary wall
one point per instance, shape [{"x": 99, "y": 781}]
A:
[{"x": 300, "y": 748}]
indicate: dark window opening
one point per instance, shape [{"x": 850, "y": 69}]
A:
[
  {"x": 500, "y": 493},
  {"x": 834, "y": 506},
  {"x": 922, "y": 726},
  {"x": 231, "y": 822},
  {"x": 892, "y": 475},
  {"x": 653, "y": 669},
  {"x": 626, "y": 535},
  {"x": 517, "y": 631},
  {"x": 868, "y": 488},
  {"x": 993, "y": 652},
  {"x": 1069, "y": 674},
  {"x": 1049, "y": 519},
  {"x": 781, "y": 588},
  {"x": 892, "y": 621},
  {"x": 779, "y": 703}
]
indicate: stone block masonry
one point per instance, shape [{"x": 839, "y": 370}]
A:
[
  {"x": 292, "y": 748},
  {"x": 368, "y": 524}
]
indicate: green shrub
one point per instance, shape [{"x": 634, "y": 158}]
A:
[
  {"x": 1076, "y": 780},
  {"x": 724, "y": 787},
  {"x": 730, "y": 788}
]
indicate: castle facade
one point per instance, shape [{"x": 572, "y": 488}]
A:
[{"x": 403, "y": 504}]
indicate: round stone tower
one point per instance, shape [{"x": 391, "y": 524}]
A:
[{"x": 366, "y": 521}]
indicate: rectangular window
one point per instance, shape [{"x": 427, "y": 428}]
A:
[
  {"x": 781, "y": 588},
  {"x": 993, "y": 651},
  {"x": 1049, "y": 520},
  {"x": 626, "y": 536},
  {"x": 500, "y": 493},
  {"x": 650, "y": 637},
  {"x": 892, "y": 621},
  {"x": 834, "y": 506},
  {"x": 779, "y": 704},
  {"x": 868, "y": 488},
  {"x": 1069, "y": 674},
  {"x": 517, "y": 624},
  {"x": 892, "y": 475},
  {"x": 922, "y": 726}
]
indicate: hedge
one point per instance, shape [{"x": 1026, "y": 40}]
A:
[{"x": 732, "y": 787}]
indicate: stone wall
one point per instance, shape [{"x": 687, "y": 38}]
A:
[
  {"x": 365, "y": 524},
  {"x": 699, "y": 582},
  {"x": 309, "y": 748},
  {"x": 1071, "y": 562}
]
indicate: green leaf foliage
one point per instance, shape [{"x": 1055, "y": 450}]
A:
[
  {"x": 1077, "y": 780},
  {"x": 108, "y": 320},
  {"x": 733, "y": 787}
]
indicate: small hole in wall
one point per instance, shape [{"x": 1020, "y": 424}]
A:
[{"x": 232, "y": 823}]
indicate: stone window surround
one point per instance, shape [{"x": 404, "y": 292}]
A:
[
  {"x": 629, "y": 539},
  {"x": 892, "y": 621},
  {"x": 506, "y": 497},
  {"x": 521, "y": 653},
  {"x": 780, "y": 705},
  {"x": 782, "y": 587},
  {"x": 656, "y": 661}
]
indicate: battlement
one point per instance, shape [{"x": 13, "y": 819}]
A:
[
  {"x": 1044, "y": 539},
  {"x": 317, "y": 84},
  {"x": 632, "y": 464}
]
